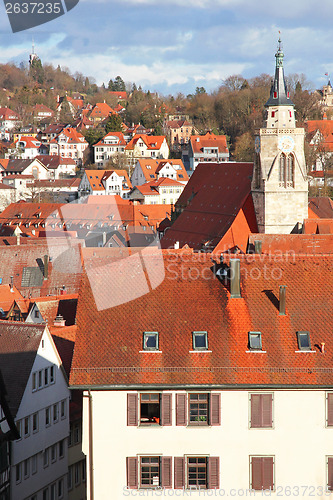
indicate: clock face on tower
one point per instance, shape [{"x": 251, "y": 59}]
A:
[
  {"x": 257, "y": 144},
  {"x": 286, "y": 143}
]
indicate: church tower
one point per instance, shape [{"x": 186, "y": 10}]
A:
[{"x": 279, "y": 184}]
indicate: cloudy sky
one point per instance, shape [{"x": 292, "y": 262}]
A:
[{"x": 176, "y": 45}]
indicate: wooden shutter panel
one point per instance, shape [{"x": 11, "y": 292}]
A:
[
  {"x": 181, "y": 410},
  {"x": 256, "y": 483},
  {"x": 262, "y": 473},
  {"x": 132, "y": 409},
  {"x": 213, "y": 472},
  {"x": 330, "y": 408},
  {"x": 132, "y": 472},
  {"x": 166, "y": 472},
  {"x": 215, "y": 409},
  {"x": 266, "y": 410},
  {"x": 267, "y": 473},
  {"x": 330, "y": 473},
  {"x": 179, "y": 473},
  {"x": 166, "y": 409},
  {"x": 255, "y": 410}
]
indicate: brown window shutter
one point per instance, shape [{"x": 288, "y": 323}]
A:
[
  {"x": 215, "y": 409},
  {"x": 330, "y": 408},
  {"x": 181, "y": 410},
  {"x": 132, "y": 472},
  {"x": 166, "y": 472},
  {"x": 266, "y": 410},
  {"x": 267, "y": 472},
  {"x": 330, "y": 473},
  {"x": 262, "y": 473},
  {"x": 132, "y": 409},
  {"x": 213, "y": 472},
  {"x": 179, "y": 473},
  {"x": 256, "y": 479},
  {"x": 255, "y": 410},
  {"x": 166, "y": 409}
]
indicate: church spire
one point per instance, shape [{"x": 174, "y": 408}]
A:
[{"x": 279, "y": 93}]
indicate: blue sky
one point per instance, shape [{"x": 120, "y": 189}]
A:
[{"x": 176, "y": 45}]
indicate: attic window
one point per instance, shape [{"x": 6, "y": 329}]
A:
[
  {"x": 303, "y": 339},
  {"x": 181, "y": 176},
  {"x": 152, "y": 176},
  {"x": 255, "y": 340},
  {"x": 200, "y": 341},
  {"x": 150, "y": 341}
]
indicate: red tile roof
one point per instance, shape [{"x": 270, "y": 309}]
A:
[
  {"x": 310, "y": 243},
  {"x": 109, "y": 341},
  {"x": 120, "y": 135},
  {"x": 322, "y": 207},
  {"x": 152, "y": 187},
  {"x": 54, "y": 161},
  {"x": 153, "y": 142},
  {"x": 101, "y": 110},
  {"x": 209, "y": 140},
  {"x": 211, "y": 201},
  {"x": 9, "y": 295},
  {"x": 318, "y": 226},
  {"x": 151, "y": 168}
]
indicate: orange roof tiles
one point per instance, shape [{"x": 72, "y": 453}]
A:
[
  {"x": 318, "y": 226},
  {"x": 209, "y": 140},
  {"x": 109, "y": 341},
  {"x": 309, "y": 243},
  {"x": 322, "y": 207},
  {"x": 9, "y": 295},
  {"x": 151, "y": 141}
]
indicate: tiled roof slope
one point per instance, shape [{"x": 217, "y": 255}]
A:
[
  {"x": 109, "y": 341},
  {"x": 64, "y": 339},
  {"x": 212, "y": 198},
  {"x": 18, "y": 348},
  {"x": 318, "y": 226},
  {"x": 294, "y": 243},
  {"x": 322, "y": 207},
  {"x": 209, "y": 140}
]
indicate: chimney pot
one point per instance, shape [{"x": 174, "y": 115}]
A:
[
  {"x": 235, "y": 279},
  {"x": 282, "y": 300},
  {"x": 258, "y": 246}
]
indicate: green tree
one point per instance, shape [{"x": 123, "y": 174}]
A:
[{"x": 113, "y": 124}]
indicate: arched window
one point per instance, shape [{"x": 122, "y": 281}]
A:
[
  {"x": 290, "y": 170},
  {"x": 282, "y": 170}
]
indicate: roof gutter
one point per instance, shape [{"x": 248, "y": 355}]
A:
[{"x": 184, "y": 387}]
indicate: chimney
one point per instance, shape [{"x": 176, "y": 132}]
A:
[
  {"x": 18, "y": 239},
  {"x": 46, "y": 267},
  {"x": 176, "y": 245},
  {"x": 63, "y": 290},
  {"x": 235, "y": 279},
  {"x": 257, "y": 246},
  {"x": 12, "y": 283},
  {"x": 282, "y": 300},
  {"x": 59, "y": 321},
  {"x": 104, "y": 238},
  {"x": 322, "y": 347}
]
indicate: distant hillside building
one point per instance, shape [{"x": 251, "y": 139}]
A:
[{"x": 203, "y": 148}]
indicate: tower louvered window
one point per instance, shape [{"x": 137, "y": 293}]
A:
[{"x": 286, "y": 170}]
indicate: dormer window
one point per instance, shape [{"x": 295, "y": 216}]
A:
[
  {"x": 303, "y": 339},
  {"x": 150, "y": 341},
  {"x": 255, "y": 341},
  {"x": 200, "y": 341}
]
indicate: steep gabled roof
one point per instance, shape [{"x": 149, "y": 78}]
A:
[
  {"x": 310, "y": 243},
  {"x": 109, "y": 341},
  {"x": 322, "y": 207},
  {"x": 19, "y": 343},
  {"x": 120, "y": 136},
  {"x": 54, "y": 161},
  {"x": 211, "y": 200},
  {"x": 153, "y": 142},
  {"x": 209, "y": 140}
]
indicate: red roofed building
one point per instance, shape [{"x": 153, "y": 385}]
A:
[
  {"x": 208, "y": 147},
  {"x": 215, "y": 210},
  {"x": 111, "y": 145},
  {"x": 69, "y": 144},
  {"x": 41, "y": 112},
  {"x": 147, "y": 170},
  {"x": 120, "y": 95},
  {"x": 104, "y": 182},
  {"x": 100, "y": 111},
  {"x": 179, "y": 133},
  {"x": 162, "y": 191},
  {"x": 9, "y": 119},
  {"x": 224, "y": 375},
  {"x": 147, "y": 146},
  {"x": 26, "y": 148},
  {"x": 320, "y": 136},
  {"x": 58, "y": 166}
]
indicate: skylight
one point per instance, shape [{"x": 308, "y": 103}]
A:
[
  {"x": 303, "y": 339},
  {"x": 150, "y": 341},
  {"x": 200, "y": 341},
  {"x": 255, "y": 340}
]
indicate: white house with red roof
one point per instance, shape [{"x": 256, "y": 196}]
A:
[
  {"x": 104, "y": 182},
  {"x": 147, "y": 170},
  {"x": 159, "y": 192},
  {"x": 9, "y": 119},
  {"x": 112, "y": 144},
  {"x": 42, "y": 112},
  {"x": 208, "y": 147},
  {"x": 147, "y": 146},
  {"x": 26, "y": 148},
  {"x": 100, "y": 111},
  {"x": 58, "y": 166},
  {"x": 69, "y": 144}
]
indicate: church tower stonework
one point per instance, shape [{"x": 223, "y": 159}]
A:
[{"x": 279, "y": 184}]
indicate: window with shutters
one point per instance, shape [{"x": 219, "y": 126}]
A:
[
  {"x": 149, "y": 472},
  {"x": 261, "y": 411},
  {"x": 262, "y": 473},
  {"x": 198, "y": 408},
  {"x": 329, "y": 409},
  {"x": 197, "y": 472},
  {"x": 150, "y": 408},
  {"x": 329, "y": 466}
]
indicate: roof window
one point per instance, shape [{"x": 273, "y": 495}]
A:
[
  {"x": 303, "y": 339},
  {"x": 255, "y": 341},
  {"x": 200, "y": 341},
  {"x": 150, "y": 341}
]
